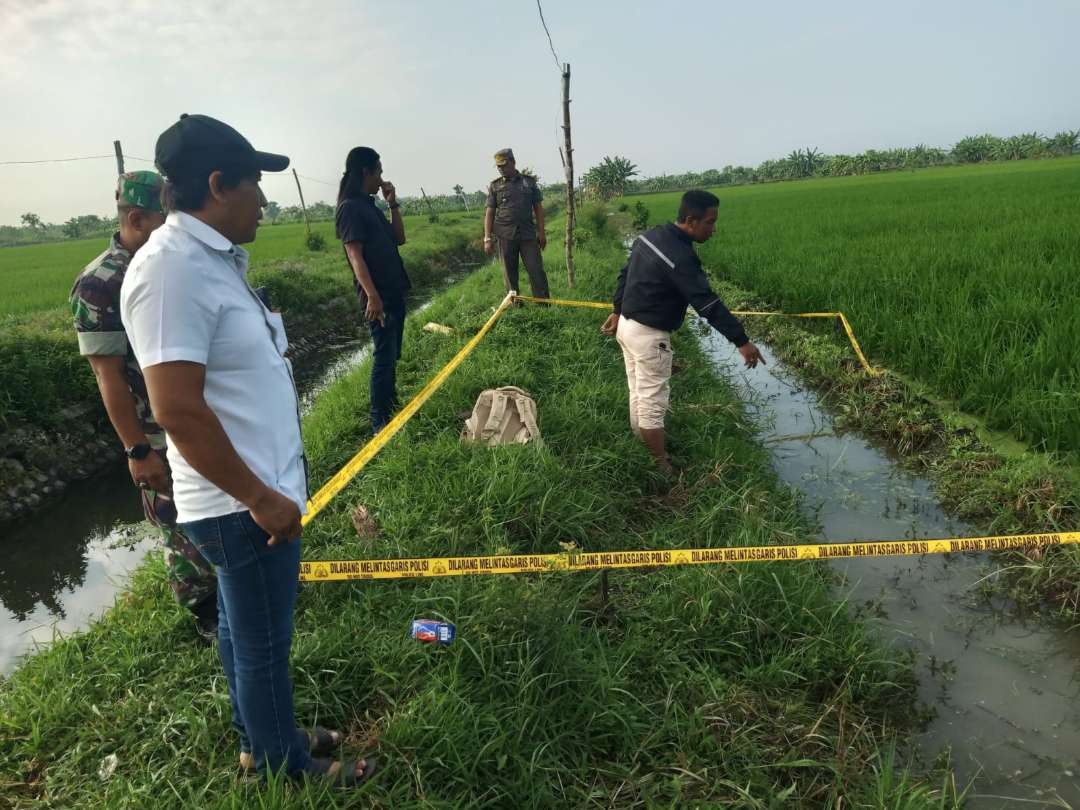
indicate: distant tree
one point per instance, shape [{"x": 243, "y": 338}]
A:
[
  {"x": 609, "y": 178},
  {"x": 72, "y": 228},
  {"x": 772, "y": 169},
  {"x": 712, "y": 177},
  {"x": 1019, "y": 147},
  {"x": 976, "y": 148},
  {"x": 459, "y": 190},
  {"x": 321, "y": 210},
  {"x": 273, "y": 210},
  {"x": 30, "y": 220},
  {"x": 1064, "y": 143},
  {"x": 92, "y": 223}
]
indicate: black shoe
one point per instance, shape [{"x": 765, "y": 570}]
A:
[{"x": 206, "y": 620}]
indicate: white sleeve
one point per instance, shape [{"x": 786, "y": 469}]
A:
[{"x": 167, "y": 310}]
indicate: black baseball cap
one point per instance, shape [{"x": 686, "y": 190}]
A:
[{"x": 199, "y": 143}]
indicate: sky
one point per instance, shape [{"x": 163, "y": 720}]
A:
[{"x": 437, "y": 87}]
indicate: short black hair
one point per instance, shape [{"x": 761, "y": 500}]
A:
[
  {"x": 189, "y": 193},
  {"x": 696, "y": 203}
]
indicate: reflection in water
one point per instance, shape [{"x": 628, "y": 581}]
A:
[
  {"x": 62, "y": 565},
  {"x": 1006, "y": 692}
]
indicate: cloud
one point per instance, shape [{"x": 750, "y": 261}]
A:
[{"x": 197, "y": 36}]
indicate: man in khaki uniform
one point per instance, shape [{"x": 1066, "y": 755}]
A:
[{"x": 513, "y": 201}]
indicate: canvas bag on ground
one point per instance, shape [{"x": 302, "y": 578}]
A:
[{"x": 504, "y": 415}]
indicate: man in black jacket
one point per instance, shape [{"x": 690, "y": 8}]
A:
[{"x": 662, "y": 276}]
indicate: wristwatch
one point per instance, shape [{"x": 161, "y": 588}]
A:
[
  {"x": 395, "y": 205},
  {"x": 137, "y": 451}
]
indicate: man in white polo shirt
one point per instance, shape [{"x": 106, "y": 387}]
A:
[{"x": 214, "y": 360}]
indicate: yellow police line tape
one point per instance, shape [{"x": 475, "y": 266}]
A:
[
  {"x": 353, "y": 466},
  {"x": 741, "y": 312},
  {"x": 408, "y": 568}
]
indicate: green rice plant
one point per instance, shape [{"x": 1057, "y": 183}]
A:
[{"x": 966, "y": 278}]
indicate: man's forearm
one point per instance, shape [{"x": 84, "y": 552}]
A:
[
  {"x": 539, "y": 211},
  {"x": 489, "y": 222},
  {"x": 120, "y": 406},
  {"x": 360, "y": 270},
  {"x": 198, "y": 436},
  {"x": 363, "y": 276},
  {"x": 398, "y": 223}
]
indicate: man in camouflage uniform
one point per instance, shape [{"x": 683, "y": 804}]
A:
[
  {"x": 513, "y": 201},
  {"x": 95, "y": 303}
]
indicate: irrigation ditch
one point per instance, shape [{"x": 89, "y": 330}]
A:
[
  {"x": 80, "y": 514},
  {"x": 1000, "y": 690},
  {"x": 980, "y": 476}
]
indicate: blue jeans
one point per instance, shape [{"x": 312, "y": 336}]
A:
[
  {"x": 386, "y": 341},
  {"x": 256, "y": 595}
]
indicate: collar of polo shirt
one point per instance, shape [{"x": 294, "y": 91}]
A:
[
  {"x": 204, "y": 233},
  {"x": 201, "y": 231}
]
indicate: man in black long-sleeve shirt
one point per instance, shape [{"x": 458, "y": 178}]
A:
[{"x": 662, "y": 276}]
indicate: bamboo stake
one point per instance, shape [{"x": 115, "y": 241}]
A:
[
  {"x": 568, "y": 166},
  {"x": 302, "y": 206},
  {"x": 431, "y": 211}
]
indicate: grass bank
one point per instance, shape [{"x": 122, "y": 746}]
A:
[
  {"x": 730, "y": 686},
  {"x": 965, "y": 278},
  {"x": 49, "y": 406}
]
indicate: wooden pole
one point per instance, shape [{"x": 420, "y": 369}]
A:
[
  {"x": 568, "y": 165},
  {"x": 427, "y": 202},
  {"x": 302, "y": 206},
  {"x": 119, "y": 157}
]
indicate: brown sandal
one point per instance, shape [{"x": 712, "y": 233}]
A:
[
  {"x": 345, "y": 775},
  {"x": 321, "y": 741}
]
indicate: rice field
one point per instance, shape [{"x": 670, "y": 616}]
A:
[
  {"x": 966, "y": 278},
  {"x": 34, "y": 278}
]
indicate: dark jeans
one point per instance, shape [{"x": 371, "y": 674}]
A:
[
  {"x": 529, "y": 251},
  {"x": 386, "y": 341},
  {"x": 256, "y": 595}
]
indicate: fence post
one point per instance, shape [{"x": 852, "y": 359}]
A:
[
  {"x": 427, "y": 202},
  {"x": 568, "y": 165},
  {"x": 303, "y": 207}
]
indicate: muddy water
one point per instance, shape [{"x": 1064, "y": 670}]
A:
[
  {"x": 65, "y": 564},
  {"x": 1005, "y": 693},
  {"x": 59, "y": 567}
]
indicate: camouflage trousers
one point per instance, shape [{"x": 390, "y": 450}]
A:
[{"x": 191, "y": 577}]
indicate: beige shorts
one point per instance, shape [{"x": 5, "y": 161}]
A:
[{"x": 647, "y": 354}]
